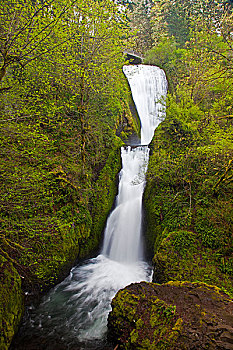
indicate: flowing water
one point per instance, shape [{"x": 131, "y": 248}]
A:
[
  {"x": 74, "y": 314},
  {"x": 148, "y": 86}
]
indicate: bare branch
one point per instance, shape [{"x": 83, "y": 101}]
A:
[{"x": 28, "y": 23}]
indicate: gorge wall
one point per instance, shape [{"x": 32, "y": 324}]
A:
[{"x": 56, "y": 213}]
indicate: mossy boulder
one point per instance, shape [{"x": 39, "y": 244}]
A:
[
  {"x": 11, "y": 302},
  {"x": 181, "y": 256},
  {"x": 175, "y": 315}
]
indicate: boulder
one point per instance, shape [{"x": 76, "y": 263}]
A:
[{"x": 175, "y": 315}]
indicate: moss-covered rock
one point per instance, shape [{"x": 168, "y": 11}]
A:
[
  {"x": 188, "y": 204},
  {"x": 181, "y": 256},
  {"x": 104, "y": 192},
  {"x": 176, "y": 315},
  {"x": 11, "y": 302},
  {"x": 129, "y": 128}
]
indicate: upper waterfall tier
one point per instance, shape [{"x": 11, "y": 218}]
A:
[{"x": 148, "y": 85}]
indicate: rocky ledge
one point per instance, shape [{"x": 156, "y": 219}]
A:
[{"x": 175, "y": 315}]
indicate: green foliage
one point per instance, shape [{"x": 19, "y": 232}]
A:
[
  {"x": 178, "y": 18},
  {"x": 140, "y": 25},
  {"x": 11, "y": 302},
  {"x": 189, "y": 158},
  {"x": 163, "y": 53},
  {"x": 183, "y": 241},
  {"x": 63, "y": 97},
  {"x": 189, "y": 181},
  {"x": 182, "y": 256}
]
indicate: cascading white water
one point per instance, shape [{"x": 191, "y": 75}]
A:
[
  {"x": 122, "y": 238},
  {"x": 148, "y": 85},
  {"x": 77, "y": 308}
]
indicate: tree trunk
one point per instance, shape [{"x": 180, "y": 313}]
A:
[
  {"x": 2, "y": 72},
  {"x": 82, "y": 120}
]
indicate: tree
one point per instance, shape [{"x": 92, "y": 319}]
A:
[
  {"x": 61, "y": 49},
  {"x": 178, "y": 18},
  {"x": 140, "y": 25},
  {"x": 63, "y": 94},
  {"x": 27, "y": 29}
]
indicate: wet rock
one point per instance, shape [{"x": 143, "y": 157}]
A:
[
  {"x": 175, "y": 315},
  {"x": 11, "y": 302}
]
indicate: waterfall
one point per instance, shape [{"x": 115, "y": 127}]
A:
[
  {"x": 122, "y": 238},
  {"x": 148, "y": 85},
  {"x": 76, "y": 310}
]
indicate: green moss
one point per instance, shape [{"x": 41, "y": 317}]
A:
[
  {"x": 184, "y": 258},
  {"x": 131, "y": 119},
  {"x": 104, "y": 193},
  {"x": 188, "y": 221},
  {"x": 11, "y": 302},
  {"x": 167, "y": 316},
  {"x": 134, "y": 336},
  {"x": 143, "y": 321}
]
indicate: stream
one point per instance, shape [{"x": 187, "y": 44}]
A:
[{"x": 73, "y": 315}]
